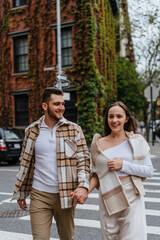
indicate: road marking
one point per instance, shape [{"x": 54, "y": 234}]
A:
[
  {"x": 16, "y": 236},
  {"x": 96, "y": 195},
  {"x": 153, "y": 178},
  {"x": 156, "y": 173},
  {"x": 150, "y": 212},
  {"x": 154, "y": 200},
  {"x": 7, "y": 194},
  {"x": 152, "y": 191},
  {"x": 8, "y": 170},
  {"x": 151, "y": 183},
  {"x": 78, "y": 222},
  {"x": 88, "y": 207},
  {"x": 153, "y": 230},
  {"x": 14, "y": 201},
  {"x": 95, "y": 207},
  {"x": 91, "y": 195},
  {"x": 96, "y": 224}
]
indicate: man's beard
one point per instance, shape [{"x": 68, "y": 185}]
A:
[{"x": 52, "y": 115}]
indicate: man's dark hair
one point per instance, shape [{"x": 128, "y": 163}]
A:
[{"x": 47, "y": 93}]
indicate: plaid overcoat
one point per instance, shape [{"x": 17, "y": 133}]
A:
[{"x": 73, "y": 161}]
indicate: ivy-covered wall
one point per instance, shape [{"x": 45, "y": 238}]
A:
[
  {"x": 5, "y": 66},
  {"x": 94, "y": 57},
  {"x": 94, "y": 63}
]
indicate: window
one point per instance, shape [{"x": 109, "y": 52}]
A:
[
  {"x": 18, "y": 3},
  {"x": 0, "y": 134},
  {"x": 66, "y": 46},
  {"x": 13, "y": 134},
  {"x": 21, "y": 110},
  {"x": 21, "y": 54},
  {"x": 70, "y": 107}
]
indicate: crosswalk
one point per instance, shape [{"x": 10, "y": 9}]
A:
[{"x": 152, "y": 187}]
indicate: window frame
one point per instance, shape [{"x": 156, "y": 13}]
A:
[
  {"x": 17, "y": 57},
  {"x": 64, "y": 25},
  {"x": 25, "y": 110},
  {"x": 21, "y": 3},
  {"x": 71, "y": 111},
  {"x": 63, "y": 49}
]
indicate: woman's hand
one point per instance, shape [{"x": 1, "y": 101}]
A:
[{"x": 115, "y": 164}]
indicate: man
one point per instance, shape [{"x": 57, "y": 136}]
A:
[{"x": 54, "y": 165}]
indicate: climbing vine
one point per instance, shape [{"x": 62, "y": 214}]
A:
[
  {"x": 39, "y": 51},
  {"x": 96, "y": 78},
  {"x": 6, "y": 114},
  {"x": 94, "y": 55}
]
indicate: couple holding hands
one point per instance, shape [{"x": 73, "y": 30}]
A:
[{"x": 55, "y": 172}]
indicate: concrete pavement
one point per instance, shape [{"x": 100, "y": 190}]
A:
[{"x": 155, "y": 149}]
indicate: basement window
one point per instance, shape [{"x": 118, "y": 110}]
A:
[{"x": 21, "y": 110}]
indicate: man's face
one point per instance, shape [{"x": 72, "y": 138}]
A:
[{"x": 55, "y": 107}]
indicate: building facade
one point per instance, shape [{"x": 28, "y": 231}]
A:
[
  {"x": 28, "y": 58},
  {"x": 126, "y": 44}
]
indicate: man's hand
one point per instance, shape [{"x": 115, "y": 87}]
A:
[
  {"x": 22, "y": 204},
  {"x": 80, "y": 195},
  {"x": 115, "y": 164}
]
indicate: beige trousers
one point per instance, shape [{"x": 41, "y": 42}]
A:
[
  {"x": 129, "y": 224},
  {"x": 43, "y": 207}
]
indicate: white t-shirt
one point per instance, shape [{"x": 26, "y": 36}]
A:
[
  {"x": 124, "y": 152},
  {"x": 45, "y": 172}
]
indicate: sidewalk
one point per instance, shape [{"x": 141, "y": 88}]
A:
[{"x": 155, "y": 149}]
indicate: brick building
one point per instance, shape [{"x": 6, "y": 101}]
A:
[{"x": 28, "y": 59}]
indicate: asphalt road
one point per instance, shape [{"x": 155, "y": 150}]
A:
[{"x": 87, "y": 226}]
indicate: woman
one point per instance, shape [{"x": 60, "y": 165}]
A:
[{"x": 121, "y": 161}]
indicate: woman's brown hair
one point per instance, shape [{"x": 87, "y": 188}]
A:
[{"x": 129, "y": 126}]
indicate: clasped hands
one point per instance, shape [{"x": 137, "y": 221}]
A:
[{"x": 80, "y": 194}]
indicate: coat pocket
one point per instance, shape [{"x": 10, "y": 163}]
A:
[{"x": 70, "y": 147}]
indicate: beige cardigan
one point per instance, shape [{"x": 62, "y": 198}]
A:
[{"x": 113, "y": 194}]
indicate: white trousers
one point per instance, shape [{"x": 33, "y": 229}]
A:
[{"x": 129, "y": 224}]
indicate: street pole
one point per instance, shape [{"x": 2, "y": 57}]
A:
[
  {"x": 59, "y": 42},
  {"x": 151, "y": 94}
]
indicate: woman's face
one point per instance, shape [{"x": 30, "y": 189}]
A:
[{"x": 116, "y": 119}]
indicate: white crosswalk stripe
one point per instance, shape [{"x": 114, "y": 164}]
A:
[
  {"x": 146, "y": 199},
  {"x": 90, "y": 223},
  {"x": 95, "y": 207},
  {"x": 96, "y": 224},
  {"x": 16, "y": 236}
]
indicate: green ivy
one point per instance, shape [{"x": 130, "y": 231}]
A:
[{"x": 94, "y": 29}]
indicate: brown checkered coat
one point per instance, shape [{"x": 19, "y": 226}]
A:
[{"x": 73, "y": 161}]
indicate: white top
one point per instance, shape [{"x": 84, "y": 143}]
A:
[
  {"x": 124, "y": 152},
  {"x": 45, "y": 172}
]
